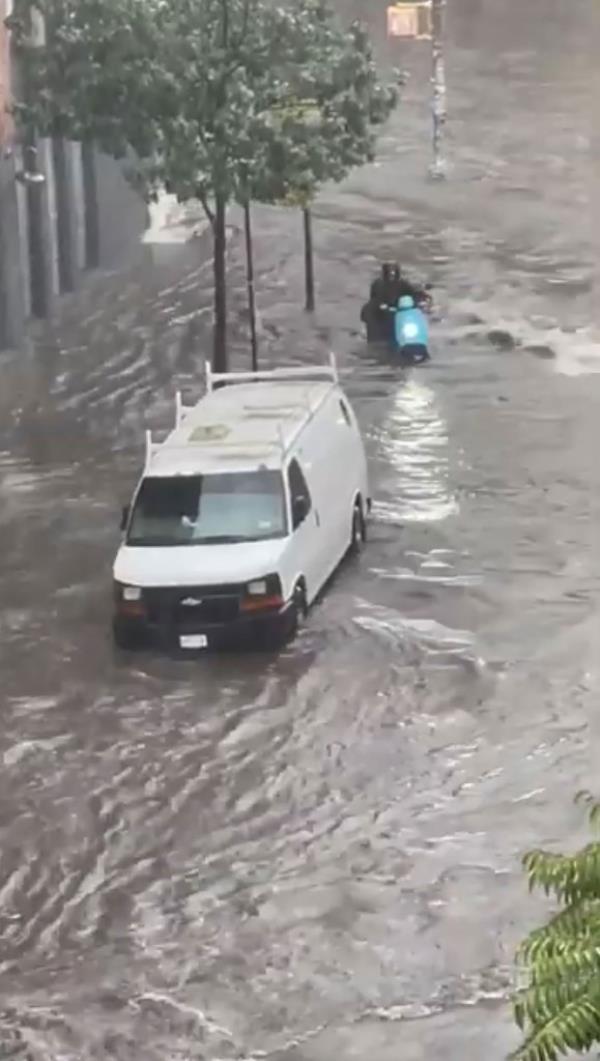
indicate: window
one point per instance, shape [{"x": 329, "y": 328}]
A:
[
  {"x": 299, "y": 494},
  {"x": 346, "y": 413},
  {"x": 209, "y": 509}
]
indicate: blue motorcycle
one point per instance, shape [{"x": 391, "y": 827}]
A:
[
  {"x": 394, "y": 323},
  {"x": 411, "y": 331}
]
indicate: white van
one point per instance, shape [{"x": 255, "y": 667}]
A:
[{"x": 242, "y": 513}]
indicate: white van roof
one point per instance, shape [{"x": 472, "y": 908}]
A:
[{"x": 251, "y": 421}]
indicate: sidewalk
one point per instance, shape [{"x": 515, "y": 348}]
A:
[{"x": 116, "y": 351}]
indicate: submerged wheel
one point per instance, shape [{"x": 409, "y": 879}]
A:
[
  {"x": 358, "y": 533},
  {"x": 123, "y": 639},
  {"x": 298, "y": 612}
]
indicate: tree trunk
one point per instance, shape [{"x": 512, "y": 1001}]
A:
[
  {"x": 438, "y": 78},
  {"x": 309, "y": 272},
  {"x": 250, "y": 284},
  {"x": 219, "y": 251}
]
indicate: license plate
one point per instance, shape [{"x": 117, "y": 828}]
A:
[{"x": 193, "y": 641}]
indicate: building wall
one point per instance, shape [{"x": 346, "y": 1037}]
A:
[
  {"x": 12, "y": 308},
  {"x": 82, "y": 215},
  {"x": 6, "y": 125}
]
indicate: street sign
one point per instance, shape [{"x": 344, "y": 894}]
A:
[{"x": 410, "y": 20}]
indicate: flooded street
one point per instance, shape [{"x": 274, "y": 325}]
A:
[{"x": 316, "y": 855}]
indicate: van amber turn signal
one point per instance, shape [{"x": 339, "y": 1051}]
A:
[
  {"x": 263, "y": 594},
  {"x": 129, "y": 600}
]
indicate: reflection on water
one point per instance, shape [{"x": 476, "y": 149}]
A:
[{"x": 413, "y": 440}]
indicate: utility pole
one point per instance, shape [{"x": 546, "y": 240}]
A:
[
  {"x": 250, "y": 284},
  {"x": 424, "y": 20},
  {"x": 438, "y": 80}
]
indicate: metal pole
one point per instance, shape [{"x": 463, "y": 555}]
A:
[
  {"x": 309, "y": 269},
  {"x": 250, "y": 285},
  {"x": 39, "y": 265},
  {"x": 90, "y": 198},
  {"x": 220, "y": 352},
  {"x": 65, "y": 221},
  {"x": 438, "y": 80}
]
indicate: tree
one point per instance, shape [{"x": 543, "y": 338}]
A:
[
  {"x": 559, "y": 1008},
  {"x": 327, "y": 122},
  {"x": 184, "y": 87},
  {"x": 197, "y": 94}
]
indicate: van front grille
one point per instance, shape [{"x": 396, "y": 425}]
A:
[
  {"x": 210, "y": 610},
  {"x": 189, "y": 608}
]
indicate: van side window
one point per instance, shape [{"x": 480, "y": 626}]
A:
[
  {"x": 345, "y": 412},
  {"x": 299, "y": 494}
]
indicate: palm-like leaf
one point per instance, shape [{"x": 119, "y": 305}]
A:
[
  {"x": 559, "y": 1009},
  {"x": 578, "y": 922},
  {"x": 569, "y": 877},
  {"x": 575, "y": 1027}
]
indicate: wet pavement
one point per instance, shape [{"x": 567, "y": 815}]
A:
[{"x": 317, "y": 855}]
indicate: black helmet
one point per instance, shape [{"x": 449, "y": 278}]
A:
[{"x": 395, "y": 271}]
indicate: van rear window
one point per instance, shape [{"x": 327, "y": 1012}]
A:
[{"x": 210, "y": 509}]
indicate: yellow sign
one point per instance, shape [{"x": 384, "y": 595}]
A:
[
  {"x": 410, "y": 20},
  {"x": 209, "y": 433}
]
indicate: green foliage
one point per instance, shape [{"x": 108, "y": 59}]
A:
[
  {"x": 326, "y": 123},
  {"x": 208, "y": 99},
  {"x": 185, "y": 86},
  {"x": 559, "y": 1008},
  {"x": 210, "y": 96}
]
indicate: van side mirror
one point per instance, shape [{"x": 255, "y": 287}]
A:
[
  {"x": 124, "y": 517},
  {"x": 300, "y": 509}
]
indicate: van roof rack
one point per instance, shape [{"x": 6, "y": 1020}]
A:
[
  {"x": 151, "y": 449},
  {"x": 308, "y": 373}
]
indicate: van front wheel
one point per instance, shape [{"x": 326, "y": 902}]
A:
[
  {"x": 123, "y": 638},
  {"x": 297, "y": 612},
  {"x": 358, "y": 534}
]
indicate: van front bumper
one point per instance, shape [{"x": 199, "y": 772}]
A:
[{"x": 161, "y": 621}]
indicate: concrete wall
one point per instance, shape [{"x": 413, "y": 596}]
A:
[
  {"x": 12, "y": 311},
  {"x": 12, "y": 303},
  {"x": 45, "y": 230},
  {"x": 83, "y": 214}
]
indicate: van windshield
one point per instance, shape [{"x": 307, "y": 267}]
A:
[{"x": 209, "y": 509}]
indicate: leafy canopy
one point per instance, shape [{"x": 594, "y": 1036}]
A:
[
  {"x": 559, "y": 1008},
  {"x": 211, "y": 96},
  {"x": 327, "y": 122}
]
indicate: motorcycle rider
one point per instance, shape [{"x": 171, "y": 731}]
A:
[
  {"x": 386, "y": 291},
  {"x": 397, "y": 286},
  {"x": 381, "y": 286}
]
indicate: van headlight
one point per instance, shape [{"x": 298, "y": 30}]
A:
[
  {"x": 129, "y": 600},
  {"x": 125, "y": 592},
  {"x": 258, "y": 588},
  {"x": 262, "y": 594},
  {"x": 132, "y": 593}
]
